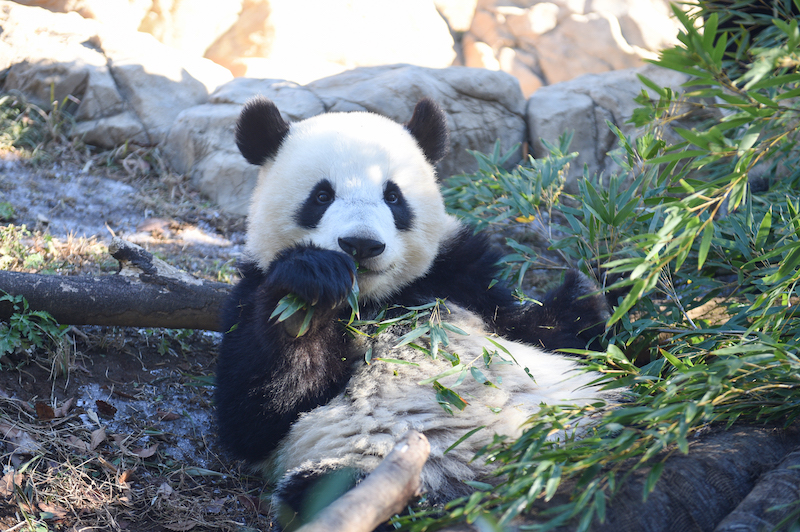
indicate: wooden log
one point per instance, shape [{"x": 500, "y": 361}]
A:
[
  {"x": 146, "y": 292},
  {"x": 381, "y": 495}
]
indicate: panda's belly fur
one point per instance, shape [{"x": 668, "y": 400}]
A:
[{"x": 382, "y": 401}]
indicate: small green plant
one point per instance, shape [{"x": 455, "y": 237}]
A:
[
  {"x": 28, "y": 127},
  {"x": 26, "y": 329},
  {"x": 7, "y": 211},
  {"x": 172, "y": 342}
]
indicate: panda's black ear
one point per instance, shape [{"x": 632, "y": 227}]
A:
[
  {"x": 260, "y": 130},
  {"x": 428, "y": 125}
]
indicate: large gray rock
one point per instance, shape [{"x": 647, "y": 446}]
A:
[
  {"x": 304, "y": 41},
  {"x": 584, "y": 105},
  {"x": 122, "y": 86},
  {"x": 542, "y": 42},
  {"x": 201, "y": 141},
  {"x": 481, "y": 107}
]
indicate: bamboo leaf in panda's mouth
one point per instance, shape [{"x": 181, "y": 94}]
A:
[
  {"x": 288, "y": 306},
  {"x": 352, "y": 300}
]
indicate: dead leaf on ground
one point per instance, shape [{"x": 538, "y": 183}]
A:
[
  {"x": 124, "y": 395},
  {"x": 78, "y": 443},
  {"x": 8, "y": 481},
  {"x": 44, "y": 411},
  {"x": 167, "y": 416},
  {"x": 253, "y": 504},
  {"x": 64, "y": 409},
  {"x": 126, "y": 476},
  {"x": 108, "y": 465},
  {"x": 164, "y": 490},
  {"x": 98, "y": 437},
  {"x": 215, "y": 506},
  {"x": 147, "y": 452},
  {"x": 19, "y": 440},
  {"x": 105, "y": 409},
  {"x": 55, "y": 512}
]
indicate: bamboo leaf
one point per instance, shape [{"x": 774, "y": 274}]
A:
[
  {"x": 395, "y": 361},
  {"x": 464, "y": 438},
  {"x": 705, "y": 244},
  {"x": 652, "y": 478},
  {"x": 413, "y": 335},
  {"x": 764, "y": 229},
  {"x": 446, "y": 373},
  {"x": 447, "y": 396}
]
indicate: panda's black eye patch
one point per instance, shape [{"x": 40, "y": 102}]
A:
[
  {"x": 319, "y": 199},
  {"x": 401, "y": 211}
]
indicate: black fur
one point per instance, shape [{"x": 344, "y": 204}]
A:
[
  {"x": 260, "y": 130},
  {"x": 467, "y": 266},
  {"x": 428, "y": 125},
  {"x": 319, "y": 199},
  {"x": 401, "y": 210},
  {"x": 266, "y": 377}
]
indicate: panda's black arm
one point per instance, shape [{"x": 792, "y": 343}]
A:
[
  {"x": 463, "y": 273},
  {"x": 266, "y": 376},
  {"x": 569, "y": 316}
]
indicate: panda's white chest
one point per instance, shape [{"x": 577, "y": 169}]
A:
[{"x": 390, "y": 396}]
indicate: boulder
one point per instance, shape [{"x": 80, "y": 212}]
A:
[
  {"x": 188, "y": 25},
  {"x": 481, "y": 106},
  {"x": 121, "y": 86},
  {"x": 201, "y": 142},
  {"x": 583, "y": 106},
  {"x": 191, "y": 26},
  {"x": 302, "y": 38},
  {"x": 457, "y": 13},
  {"x": 546, "y": 42},
  {"x": 127, "y": 15}
]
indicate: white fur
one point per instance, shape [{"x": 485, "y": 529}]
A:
[
  {"x": 384, "y": 400},
  {"x": 358, "y": 153}
]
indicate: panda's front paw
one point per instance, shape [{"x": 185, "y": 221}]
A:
[{"x": 320, "y": 277}]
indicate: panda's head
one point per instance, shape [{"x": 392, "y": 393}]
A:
[{"x": 352, "y": 182}]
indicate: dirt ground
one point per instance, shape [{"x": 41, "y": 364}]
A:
[{"x": 112, "y": 428}]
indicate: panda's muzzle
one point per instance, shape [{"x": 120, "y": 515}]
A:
[{"x": 361, "y": 248}]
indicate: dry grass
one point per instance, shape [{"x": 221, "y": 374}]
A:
[
  {"x": 34, "y": 251},
  {"x": 68, "y": 473}
]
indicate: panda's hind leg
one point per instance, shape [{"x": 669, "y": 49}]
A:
[{"x": 303, "y": 492}]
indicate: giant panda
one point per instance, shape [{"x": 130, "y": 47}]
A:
[{"x": 352, "y": 199}]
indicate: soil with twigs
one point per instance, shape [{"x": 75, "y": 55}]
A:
[{"x": 108, "y": 428}]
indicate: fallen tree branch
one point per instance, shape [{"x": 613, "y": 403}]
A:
[
  {"x": 381, "y": 495},
  {"x": 146, "y": 292}
]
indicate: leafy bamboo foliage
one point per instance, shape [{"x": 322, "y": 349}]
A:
[{"x": 703, "y": 225}]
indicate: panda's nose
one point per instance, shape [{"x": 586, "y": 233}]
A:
[{"x": 361, "y": 248}]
